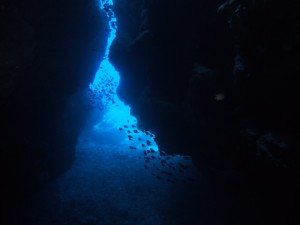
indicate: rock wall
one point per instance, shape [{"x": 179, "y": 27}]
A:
[
  {"x": 161, "y": 63},
  {"x": 218, "y": 80},
  {"x": 49, "y": 53}
]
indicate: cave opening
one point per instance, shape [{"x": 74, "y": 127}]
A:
[
  {"x": 120, "y": 175},
  {"x": 110, "y": 112},
  {"x": 149, "y": 112},
  {"x": 111, "y": 125}
]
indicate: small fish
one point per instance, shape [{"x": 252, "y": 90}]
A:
[
  {"x": 120, "y": 128},
  {"x": 162, "y": 153},
  {"x": 144, "y": 146},
  {"x": 136, "y": 131},
  {"x": 182, "y": 166},
  {"x": 171, "y": 167},
  {"x": 219, "y": 97}
]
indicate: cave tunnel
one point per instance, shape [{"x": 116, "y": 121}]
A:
[{"x": 149, "y": 112}]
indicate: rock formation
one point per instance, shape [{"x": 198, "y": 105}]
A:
[
  {"x": 49, "y": 54},
  {"x": 219, "y": 81}
]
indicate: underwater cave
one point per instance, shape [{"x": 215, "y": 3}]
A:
[{"x": 146, "y": 112}]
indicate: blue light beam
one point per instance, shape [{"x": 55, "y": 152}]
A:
[{"x": 103, "y": 90}]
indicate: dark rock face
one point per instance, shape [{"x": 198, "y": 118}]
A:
[
  {"x": 219, "y": 81},
  {"x": 49, "y": 53},
  {"x": 159, "y": 60},
  {"x": 177, "y": 45}
]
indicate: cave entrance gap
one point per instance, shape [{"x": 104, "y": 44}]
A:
[
  {"x": 112, "y": 126},
  {"x": 115, "y": 115},
  {"x": 120, "y": 176}
]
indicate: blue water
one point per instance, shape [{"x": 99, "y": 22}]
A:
[
  {"x": 107, "y": 78},
  {"x": 103, "y": 90}
]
